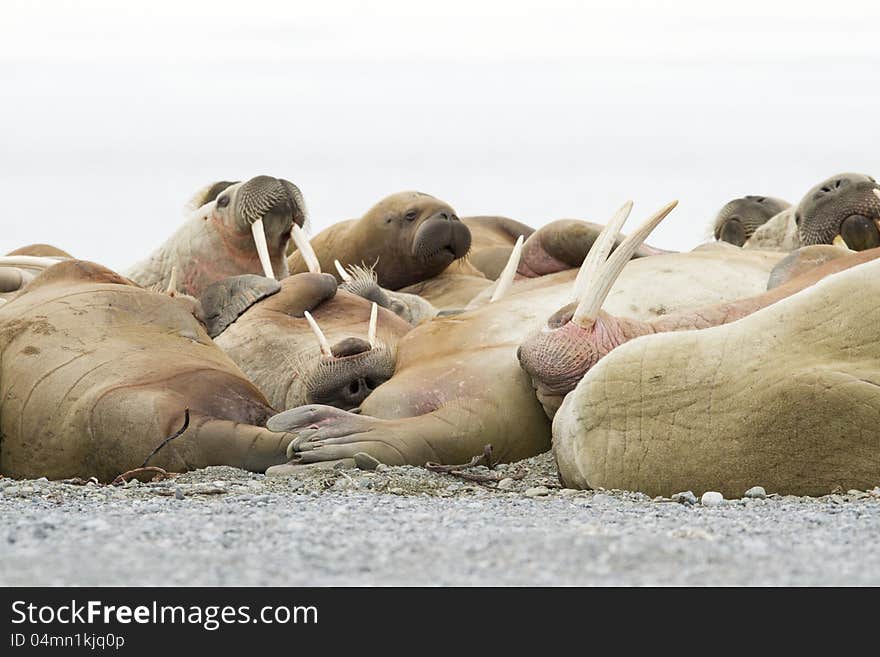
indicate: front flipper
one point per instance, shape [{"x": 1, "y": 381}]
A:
[{"x": 453, "y": 433}]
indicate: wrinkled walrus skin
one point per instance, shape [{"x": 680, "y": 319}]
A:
[
  {"x": 96, "y": 372},
  {"x": 787, "y": 398}
]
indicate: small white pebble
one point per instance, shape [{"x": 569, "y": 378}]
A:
[
  {"x": 537, "y": 491},
  {"x": 711, "y": 498},
  {"x": 756, "y": 492}
]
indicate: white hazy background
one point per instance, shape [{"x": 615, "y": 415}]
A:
[{"x": 114, "y": 113}]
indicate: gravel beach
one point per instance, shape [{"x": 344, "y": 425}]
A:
[{"x": 408, "y": 526}]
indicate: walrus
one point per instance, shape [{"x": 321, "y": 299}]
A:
[
  {"x": 785, "y": 398},
  {"x": 580, "y": 334},
  {"x": 269, "y": 329},
  {"x": 843, "y": 210},
  {"x": 235, "y": 228},
  {"x": 97, "y": 372},
  {"x": 405, "y": 238},
  {"x": 458, "y": 385},
  {"x": 738, "y": 220}
]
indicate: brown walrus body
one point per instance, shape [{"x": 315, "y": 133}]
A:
[
  {"x": 96, "y": 372},
  {"x": 406, "y": 238}
]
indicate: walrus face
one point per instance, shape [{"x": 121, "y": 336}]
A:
[
  {"x": 269, "y": 329},
  {"x": 423, "y": 234},
  {"x": 259, "y": 212},
  {"x": 842, "y": 210},
  {"x": 740, "y": 218},
  {"x": 579, "y": 334}
]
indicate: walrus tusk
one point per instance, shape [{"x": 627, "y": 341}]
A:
[
  {"x": 371, "y": 332},
  {"x": 509, "y": 271},
  {"x": 28, "y": 261},
  {"x": 305, "y": 249},
  {"x": 322, "y": 339},
  {"x": 172, "y": 282},
  {"x": 591, "y": 302},
  {"x": 598, "y": 253},
  {"x": 344, "y": 275},
  {"x": 839, "y": 242},
  {"x": 262, "y": 247}
]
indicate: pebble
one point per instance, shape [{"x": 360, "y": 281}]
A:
[
  {"x": 506, "y": 484},
  {"x": 365, "y": 462},
  {"x": 568, "y": 492},
  {"x": 687, "y": 497},
  {"x": 178, "y": 493},
  {"x": 537, "y": 491},
  {"x": 711, "y": 498},
  {"x": 396, "y": 491},
  {"x": 756, "y": 493},
  {"x": 294, "y": 484}
]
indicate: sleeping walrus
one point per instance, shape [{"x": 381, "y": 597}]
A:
[{"x": 97, "y": 372}]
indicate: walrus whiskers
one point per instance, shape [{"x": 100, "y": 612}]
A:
[
  {"x": 597, "y": 289},
  {"x": 305, "y": 249},
  {"x": 371, "y": 332},
  {"x": 322, "y": 339},
  {"x": 262, "y": 247},
  {"x": 598, "y": 253},
  {"x": 509, "y": 271}
]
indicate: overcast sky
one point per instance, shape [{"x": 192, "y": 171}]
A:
[{"x": 113, "y": 114}]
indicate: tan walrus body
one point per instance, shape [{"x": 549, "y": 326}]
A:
[
  {"x": 787, "y": 398},
  {"x": 96, "y": 372}
]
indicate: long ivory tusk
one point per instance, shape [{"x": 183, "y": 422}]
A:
[
  {"x": 306, "y": 250},
  {"x": 172, "y": 282},
  {"x": 29, "y": 261},
  {"x": 599, "y": 252},
  {"x": 371, "y": 332},
  {"x": 322, "y": 339},
  {"x": 344, "y": 275},
  {"x": 262, "y": 248},
  {"x": 591, "y": 302},
  {"x": 509, "y": 271}
]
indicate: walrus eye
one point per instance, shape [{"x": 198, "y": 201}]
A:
[
  {"x": 859, "y": 233},
  {"x": 222, "y": 202},
  {"x": 411, "y": 215}
]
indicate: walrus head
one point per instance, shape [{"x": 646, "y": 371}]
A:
[
  {"x": 262, "y": 209},
  {"x": 740, "y": 218},
  {"x": 579, "y": 334},
  {"x": 269, "y": 329},
  {"x": 842, "y": 210},
  {"x": 421, "y": 235}
]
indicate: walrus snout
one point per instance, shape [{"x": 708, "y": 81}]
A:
[
  {"x": 441, "y": 237},
  {"x": 738, "y": 220},
  {"x": 347, "y": 379},
  {"x": 844, "y": 208},
  {"x": 265, "y": 196}
]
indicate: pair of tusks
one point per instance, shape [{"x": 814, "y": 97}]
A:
[
  {"x": 838, "y": 239},
  {"x": 299, "y": 238},
  {"x": 325, "y": 344},
  {"x": 599, "y": 271}
]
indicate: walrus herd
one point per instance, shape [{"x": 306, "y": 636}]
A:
[{"x": 411, "y": 335}]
